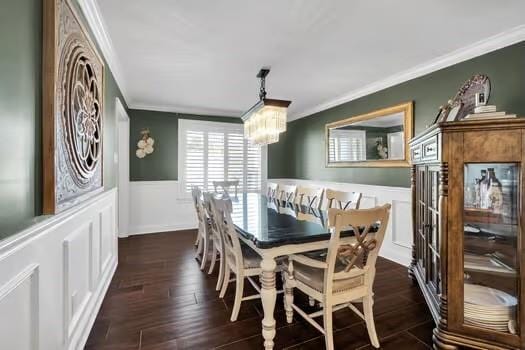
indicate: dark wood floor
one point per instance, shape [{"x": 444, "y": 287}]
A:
[{"x": 159, "y": 299}]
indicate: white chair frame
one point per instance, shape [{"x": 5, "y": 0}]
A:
[
  {"x": 216, "y": 242},
  {"x": 333, "y": 300},
  {"x": 343, "y": 200},
  {"x": 233, "y": 257},
  {"x": 309, "y": 197},
  {"x": 287, "y": 193},
  {"x": 226, "y": 187},
  {"x": 272, "y": 190}
]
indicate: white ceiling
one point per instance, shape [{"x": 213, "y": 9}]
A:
[{"x": 197, "y": 56}]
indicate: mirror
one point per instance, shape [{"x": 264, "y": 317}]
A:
[{"x": 376, "y": 139}]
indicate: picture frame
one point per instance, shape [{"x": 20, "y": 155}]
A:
[{"x": 72, "y": 110}]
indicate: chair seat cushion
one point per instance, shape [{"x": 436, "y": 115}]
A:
[
  {"x": 252, "y": 260},
  {"x": 314, "y": 277}
]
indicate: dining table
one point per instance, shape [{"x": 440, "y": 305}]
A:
[{"x": 275, "y": 228}]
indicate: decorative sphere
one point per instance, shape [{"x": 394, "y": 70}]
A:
[
  {"x": 148, "y": 149},
  {"x": 141, "y": 144},
  {"x": 150, "y": 141}
]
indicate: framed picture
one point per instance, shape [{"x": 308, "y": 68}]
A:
[{"x": 72, "y": 110}]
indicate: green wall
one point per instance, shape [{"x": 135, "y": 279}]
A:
[
  {"x": 20, "y": 115},
  {"x": 164, "y": 127},
  {"x": 300, "y": 153}
]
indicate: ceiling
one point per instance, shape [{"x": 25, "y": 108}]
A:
[{"x": 197, "y": 56}]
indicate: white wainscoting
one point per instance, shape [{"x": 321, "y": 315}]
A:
[
  {"x": 53, "y": 276},
  {"x": 158, "y": 206},
  {"x": 398, "y": 240}
]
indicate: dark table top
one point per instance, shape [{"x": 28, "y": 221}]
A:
[{"x": 270, "y": 223}]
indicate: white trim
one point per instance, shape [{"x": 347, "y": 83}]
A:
[
  {"x": 122, "y": 163},
  {"x": 493, "y": 43},
  {"x": 216, "y": 112},
  {"x": 96, "y": 24},
  {"x": 398, "y": 237}
]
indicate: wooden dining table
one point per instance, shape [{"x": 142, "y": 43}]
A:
[{"x": 274, "y": 229}]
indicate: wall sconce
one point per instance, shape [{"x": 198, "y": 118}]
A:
[{"x": 145, "y": 144}]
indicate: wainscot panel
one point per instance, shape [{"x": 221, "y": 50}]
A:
[
  {"x": 53, "y": 276},
  {"x": 159, "y": 206},
  {"x": 397, "y": 245}
]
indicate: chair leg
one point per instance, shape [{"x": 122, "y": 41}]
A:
[
  {"x": 368, "y": 303},
  {"x": 214, "y": 251},
  {"x": 225, "y": 280},
  {"x": 288, "y": 296},
  {"x": 328, "y": 327},
  {"x": 205, "y": 252},
  {"x": 197, "y": 238},
  {"x": 239, "y": 288},
  {"x": 221, "y": 271},
  {"x": 199, "y": 246}
]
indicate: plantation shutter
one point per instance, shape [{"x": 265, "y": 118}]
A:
[{"x": 212, "y": 151}]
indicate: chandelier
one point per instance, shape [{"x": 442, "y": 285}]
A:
[{"x": 267, "y": 118}]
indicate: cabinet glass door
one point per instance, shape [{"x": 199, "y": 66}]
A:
[
  {"x": 433, "y": 238},
  {"x": 491, "y": 276}
]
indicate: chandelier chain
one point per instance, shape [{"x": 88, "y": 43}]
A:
[{"x": 262, "y": 90}]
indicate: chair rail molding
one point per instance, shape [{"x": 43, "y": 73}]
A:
[
  {"x": 54, "y": 275},
  {"x": 398, "y": 237}
]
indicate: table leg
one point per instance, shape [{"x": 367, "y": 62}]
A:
[{"x": 268, "y": 298}]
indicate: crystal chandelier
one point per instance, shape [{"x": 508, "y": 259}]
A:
[{"x": 267, "y": 118}]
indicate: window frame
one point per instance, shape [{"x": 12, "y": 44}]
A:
[{"x": 213, "y": 126}]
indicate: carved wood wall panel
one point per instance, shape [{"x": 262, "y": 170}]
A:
[{"x": 72, "y": 111}]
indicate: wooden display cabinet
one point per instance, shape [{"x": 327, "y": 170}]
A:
[{"x": 467, "y": 194}]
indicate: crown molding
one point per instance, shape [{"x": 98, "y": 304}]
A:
[
  {"x": 479, "y": 48},
  {"x": 96, "y": 24},
  {"x": 186, "y": 110}
]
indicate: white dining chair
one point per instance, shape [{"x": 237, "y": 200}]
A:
[
  {"x": 343, "y": 200},
  {"x": 203, "y": 230},
  {"x": 345, "y": 275},
  {"x": 216, "y": 241},
  {"x": 225, "y": 187},
  {"x": 272, "y": 190},
  {"x": 309, "y": 197},
  {"x": 240, "y": 260},
  {"x": 195, "y": 195},
  {"x": 287, "y": 193}
]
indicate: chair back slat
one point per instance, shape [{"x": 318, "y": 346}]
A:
[
  {"x": 343, "y": 200},
  {"x": 309, "y": 197},
  {"x": 287, "y": 193},
  {"x": 232, "y": 245},
  {"x": 369, "y": 226},
  {"x": 272, "y": 190},
  {"x": 225, "y": 187}
]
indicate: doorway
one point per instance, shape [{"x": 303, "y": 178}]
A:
[{"x": 123, "y": 169}]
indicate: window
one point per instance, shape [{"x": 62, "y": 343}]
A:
[
  {"x": 347, "y": 145},
  {"x": 214, "y": 151}
]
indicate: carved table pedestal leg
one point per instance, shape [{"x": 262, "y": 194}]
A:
[{"x": 268, "y": 298}]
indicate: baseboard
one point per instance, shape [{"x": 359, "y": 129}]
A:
[
  {"x": 399, "y": 257},
  {"x": 142, "y": 230},
  {"x": 101, "y": 293}
]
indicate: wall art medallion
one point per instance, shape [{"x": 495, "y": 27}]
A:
[{"x": 73, "y": 109}]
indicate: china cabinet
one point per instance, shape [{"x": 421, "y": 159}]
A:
[{"x": 467, "y": 185}]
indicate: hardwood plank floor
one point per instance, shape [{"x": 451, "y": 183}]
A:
[{"x": 159, "y": 299}]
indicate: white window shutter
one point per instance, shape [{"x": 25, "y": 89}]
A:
[{"x": 212, "y": 151}]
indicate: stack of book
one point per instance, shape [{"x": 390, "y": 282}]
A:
[{"x": 489, "y": 112}]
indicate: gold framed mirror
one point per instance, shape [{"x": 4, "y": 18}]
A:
[{"x": 376, "y": 139}]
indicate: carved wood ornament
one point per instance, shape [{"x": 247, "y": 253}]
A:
[{"x": 72, "y": 110}]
